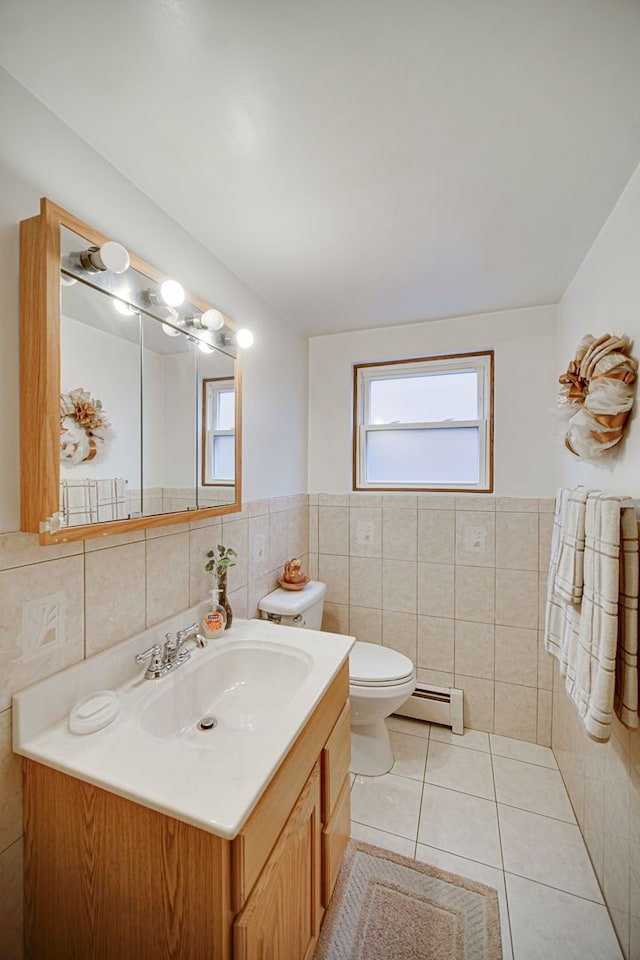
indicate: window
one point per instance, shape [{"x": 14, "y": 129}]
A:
[
  {"x": 219, "y": 419},
  {"x": 424, "y": 424}
]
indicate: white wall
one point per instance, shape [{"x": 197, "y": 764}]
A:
[
  {"x": 604, "y": 297},
  {"x": 40, "y": 156},
  {"x": 524, "y": 342},
  {"x": 109, "y": 368}
]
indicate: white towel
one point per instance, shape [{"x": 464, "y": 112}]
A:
[
  {"x": 92, "y": 501},
  {"x": 570, "y": 563},
  {"x": 596, "y": 643},
  {"x": 626, "y": 695}
]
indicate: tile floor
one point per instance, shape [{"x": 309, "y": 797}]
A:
[{"x": 495, "y": 810}]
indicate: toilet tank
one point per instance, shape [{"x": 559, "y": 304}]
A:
[{"x": 295, "y": 608}]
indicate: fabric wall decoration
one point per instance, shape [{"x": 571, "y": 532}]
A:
[{"x": 596, "y": 395}]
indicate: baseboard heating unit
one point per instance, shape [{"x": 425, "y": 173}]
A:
[{"x": 435, "y": 704}]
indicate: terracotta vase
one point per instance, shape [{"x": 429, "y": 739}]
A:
[{"x": 222, "y": 597}]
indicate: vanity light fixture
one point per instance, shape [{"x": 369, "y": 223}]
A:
[
  {"x": 110, "y": 256},
  {"x": 244, "y": 338}
]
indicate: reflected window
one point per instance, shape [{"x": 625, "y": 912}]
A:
[{"x": 219, "y": 431}]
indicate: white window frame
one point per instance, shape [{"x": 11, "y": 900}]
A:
[
  {"x": 212, "y": 387},
  {"x": 365, "y": 373}
]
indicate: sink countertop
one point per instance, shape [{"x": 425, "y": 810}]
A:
[{"x": 214, "y": 786}]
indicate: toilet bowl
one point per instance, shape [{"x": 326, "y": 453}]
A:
[{"x": 380, "y": 679}]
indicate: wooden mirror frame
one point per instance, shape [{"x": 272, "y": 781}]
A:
[{"x": 40, "y": 384}]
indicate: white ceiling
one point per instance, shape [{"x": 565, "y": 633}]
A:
[{"x": 359, "y": 163}]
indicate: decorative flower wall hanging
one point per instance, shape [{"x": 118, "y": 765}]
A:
[
  {"x": 85, "y": 429},
  {"x": 596, "y": 394}
]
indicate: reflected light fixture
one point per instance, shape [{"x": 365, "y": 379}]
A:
[
  {"x": 172, "y": 293},
  {"x": 205, "y": 347},
  {"x": 169, "y": 330},
  {"x": 124, "y": 308},
  {"x": 212, "y": 320},
  {"x": 110, "y": 256}
]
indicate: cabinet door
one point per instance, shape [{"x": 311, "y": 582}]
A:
[
  {"x": 282, "y": 916},
  {"x": 335, "y": 837}
]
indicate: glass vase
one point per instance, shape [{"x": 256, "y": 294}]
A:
[{"x": 222, "y": 597}]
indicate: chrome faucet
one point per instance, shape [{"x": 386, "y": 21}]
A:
[{"x": 172, "y": 655}]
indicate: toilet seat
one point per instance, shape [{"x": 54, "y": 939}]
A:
[{"x": 371, "y": 665}]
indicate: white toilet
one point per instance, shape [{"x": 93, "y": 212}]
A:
[{"x": 380, "y": 679}]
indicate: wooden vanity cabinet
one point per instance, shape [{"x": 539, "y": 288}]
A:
[{"x": 106, "y": 878}]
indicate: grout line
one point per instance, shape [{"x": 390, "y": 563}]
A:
[
  {"x": 504, "y": 878},
  {"x": 569, "y": 823},
  {"x": 550, "y": 886}
]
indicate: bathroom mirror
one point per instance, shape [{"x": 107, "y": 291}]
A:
[{"x": 135, "y": 401}]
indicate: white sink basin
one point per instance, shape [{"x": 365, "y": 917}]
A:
[
  {"x": 243, "y": 687},
  {"x": 261, "y": 684}
]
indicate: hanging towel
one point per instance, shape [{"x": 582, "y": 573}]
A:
[
  {"x": 597, "y": 642},
  {"x": 626, "y": 693},
  {"x": 570, "y": 558}
]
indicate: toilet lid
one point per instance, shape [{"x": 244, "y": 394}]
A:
[{"x": 370, "y": 663}]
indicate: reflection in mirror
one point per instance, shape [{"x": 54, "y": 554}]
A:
[
  {"x": 100, "y": 424},
  {"x": 169, "y": 465},
  {"x": 218, "y": 428},
  {"x": 135, "y": 441}
]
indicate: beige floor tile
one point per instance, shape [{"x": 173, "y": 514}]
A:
[
  {"x": 410, "y": 755},
  {"x": 460, "y": 824},
  {"x": 471, "y": 739},
  {"x": 479, "y": 872},
  {"x": 458, "y": 769},
  {"x": 549, "y": 924},
  {"x": 388, "y": 803},
  {"x": 537, "y": 789},
  {"x": 548, "y": 851},
  {"x": 380, "y": 838},
  {"x": 520, "y": 750}
]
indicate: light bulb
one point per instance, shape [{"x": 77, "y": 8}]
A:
[
  {"x": 123, "y": 308},
  {"x": 110, "y": 256},
  {"x": 172, "y": 293},
  {"x": 205, "y": 347},
  {"x": 170, "y": 331},
  {"x": 244, "y": 338},
  {"x": 114, "y": 257},
  {"x": 212, "y": 320}
]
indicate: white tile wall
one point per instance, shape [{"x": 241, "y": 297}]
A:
[{"x": 460, "y": 581}]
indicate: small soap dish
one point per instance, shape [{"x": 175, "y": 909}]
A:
[{"x": 94, "y": 712}]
